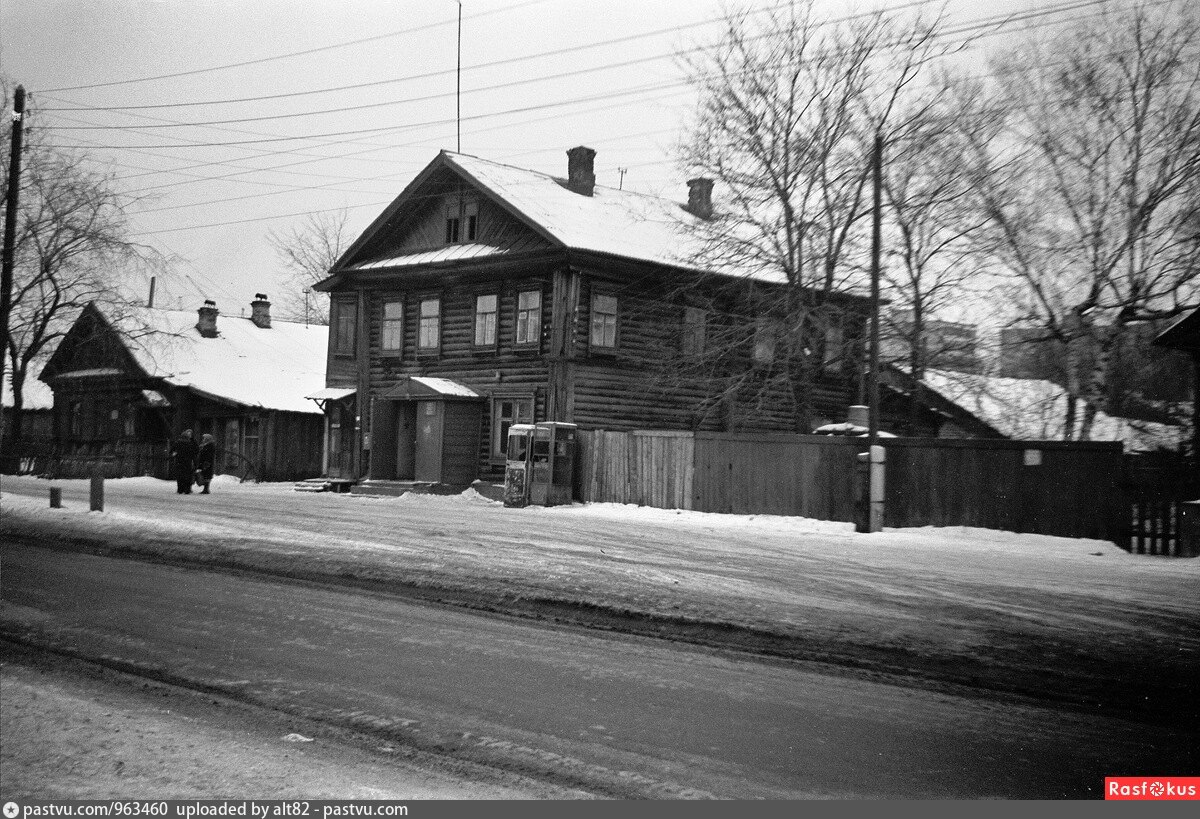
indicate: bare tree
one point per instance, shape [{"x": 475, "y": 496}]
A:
[
  {"x": 933, "y": 211},
  {"x": 72, "y": 247},
  {"x": 789, "y": 105},
  {"x": 1092, "y": 193},
  {"x": 309, "y": 252}
]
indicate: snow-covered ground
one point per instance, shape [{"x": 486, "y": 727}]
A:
[{"x": 1004, "y": 608}]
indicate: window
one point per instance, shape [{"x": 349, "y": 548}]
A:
[
  {"x": 693, "y": 330},
  {"x": 429, "y": 335},
  {"x": 834, "y": 359},
  {"x": 505, "y": 413},
  {"x": 471, "y": 215},
  {"x": 452, "y": 223},
  {"x": 76, "y": 419},
  {"x": 765, "y": 333},
  {"x": 250, "y": 430},
  {"x": 392, "y": 333},
  {"x": 529, "y": 317},
  {"x": 604, "y": 322},
  {"x": 486, "y": 310},
  {"x": 345, "y": 327},
  {"x": 462, "y": 221}
]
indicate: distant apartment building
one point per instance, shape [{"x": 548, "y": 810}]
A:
[{"x": 948, "y": 345}]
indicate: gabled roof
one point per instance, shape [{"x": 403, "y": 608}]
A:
[
  {"x": 613, "y": 222},
  {"x": 1035, "y": 409},
  {"x": 247, "y": 365},
  {"x": 416, "y": 387}
]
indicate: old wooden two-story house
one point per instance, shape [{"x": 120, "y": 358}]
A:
[
  {"x": 126, "y": 384},
  {"x": 487, "y": 295}
]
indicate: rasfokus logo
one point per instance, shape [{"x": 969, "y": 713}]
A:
[{"x": 1152, "y": 787}]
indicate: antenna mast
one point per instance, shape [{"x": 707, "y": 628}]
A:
[{"x": 458, "y": 88}]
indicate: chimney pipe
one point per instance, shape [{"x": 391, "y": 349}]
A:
[
  {"x": 207, "y": 325},
  {"x": 581, "y": 173},
  {"x": 260, "y": 311},
  {"x": 700, "y": 197}
]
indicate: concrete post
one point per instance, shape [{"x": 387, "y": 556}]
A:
[
  {"x": 56, "y": 497},
  {"x": 97, "y": 493},
  {"x": 878, "y": 462}
]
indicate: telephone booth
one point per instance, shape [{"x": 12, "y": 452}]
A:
[
  {"x": 552, "y": 476},
  {"x": 516, "y": 467}
]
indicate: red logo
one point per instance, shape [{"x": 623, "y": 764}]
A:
[{"x": 1152, "y": 788}]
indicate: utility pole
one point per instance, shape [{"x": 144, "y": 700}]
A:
[
  {"x": 10, "y": 223},
  {"x": 871, "y": 464},
  {"x": 876, "y": 251}
]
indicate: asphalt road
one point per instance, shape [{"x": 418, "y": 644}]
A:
[{"x": 616, "y": 715}]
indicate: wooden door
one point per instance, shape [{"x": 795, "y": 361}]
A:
[
  {"x": 406, "y": 440},
  {"x": 428, "y": 457}
]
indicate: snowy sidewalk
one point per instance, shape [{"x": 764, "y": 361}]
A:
[{"x": 1065, "y": 619}]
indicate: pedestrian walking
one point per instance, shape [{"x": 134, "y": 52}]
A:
[
  {"x": 183, "y": 456},
  {"x": 205, "y": 461}
]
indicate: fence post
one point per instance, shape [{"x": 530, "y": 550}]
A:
[
  {"x": 56, "y": 497},
  {"x": 97, "y": 493}
]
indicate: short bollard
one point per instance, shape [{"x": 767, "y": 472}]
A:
[
  {"x": 56, "y": 497},
  {"x": 97, "y": 494}
]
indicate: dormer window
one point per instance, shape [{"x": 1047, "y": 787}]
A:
[{"x": 462, "y": 221}]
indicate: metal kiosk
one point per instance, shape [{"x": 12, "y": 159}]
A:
[
  {"x": 552, "y": 480},
  {"x": 516, "y": 466}
]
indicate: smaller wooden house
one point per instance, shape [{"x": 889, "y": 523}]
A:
[{"x": 125, "y": 385}]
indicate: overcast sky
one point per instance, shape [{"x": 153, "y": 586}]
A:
[{"x": 368, "y": 86}]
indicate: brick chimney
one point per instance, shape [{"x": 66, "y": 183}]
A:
[
  {"x": 260, "y": 311},
  {"x": 700, "y": 197},
  {"x": 207, "y": 325},
  {"x": 581, "y": 174}
]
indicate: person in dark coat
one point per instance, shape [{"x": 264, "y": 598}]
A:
[
  {"x": 183, "y": 455},
  {"x": 205, "y": 462}
]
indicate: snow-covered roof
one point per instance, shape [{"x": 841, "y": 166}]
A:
[
  {"x": 35, "y": 394},
  {"x": 273, "y": 368},
  {"x": 1035, "y": 409},
  {"x": 615, "y": 222},
  {"x": 331, "y": 394},
  {"x": 445, "y": 386}
]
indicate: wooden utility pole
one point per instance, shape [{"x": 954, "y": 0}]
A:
[
  {"x": 10, "y": 223},
  {"x": 876, "y": 250}
]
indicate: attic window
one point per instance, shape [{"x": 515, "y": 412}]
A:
[{"x": 462, "y": 221}]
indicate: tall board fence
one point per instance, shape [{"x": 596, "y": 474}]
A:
[{"x": 1044, "y": 487}]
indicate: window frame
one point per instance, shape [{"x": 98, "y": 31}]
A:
[
  {"x": 766, "y": 337},
  {"x": 593, "y": 346},
  {"x": 694, "y": 338},
  {"x": 486, "y": 345},
  {"x": 344, "y": 309},
  {"x": 384, "y": 322},
  {"x": 497, "y": 441},
  {"x": 424, "y": 298},
  {"x": 534, "y": 343}
]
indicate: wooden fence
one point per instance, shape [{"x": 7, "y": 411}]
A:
[
  {"x": 1070, "y": 489},
  {"x": 646, "y": 468},
  {"x": 1046, "y": 487},
  {"x": 1159, "y": 487}
]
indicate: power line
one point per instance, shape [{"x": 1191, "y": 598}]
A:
[
  {"x": 994, "y": 21},
  {"x": 261, "y": 60},
  {"x": 981, "y": 23},
  {"x": 445, "y": 72}
]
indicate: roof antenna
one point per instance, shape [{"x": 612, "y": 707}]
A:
[
  {"x": 458, "y": 88},
  {"x": 621, "y": 184}
]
